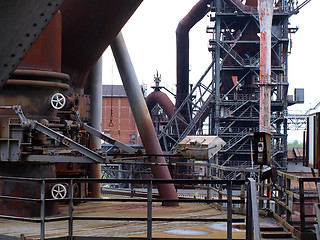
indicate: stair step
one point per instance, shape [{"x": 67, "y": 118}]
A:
[
  {"x": 271, "y": 229},
  {"x": 291, "y": 238},
  {"x": 276, "y": 235}
]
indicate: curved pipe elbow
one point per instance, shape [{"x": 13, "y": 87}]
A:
[
  {"x": 182, "y": 38},
  {"x": 163, "y": 100},
  {"x": 166, "y": 104}
]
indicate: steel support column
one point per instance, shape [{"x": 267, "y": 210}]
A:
[
  {"x": 217, "y": 69},
  {"x": 95, "y": 91},
  {"x": 142, "y": 117}
]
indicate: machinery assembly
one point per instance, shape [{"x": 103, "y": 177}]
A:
[{"x": 223, "y": 135}]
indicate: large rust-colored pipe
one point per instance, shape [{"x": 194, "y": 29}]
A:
[
  {"x": 265, "y": 17},
  {"x": 142, "y": 117},
  {"x": 163, "y": 100},
  {"x": 166, "y": 104},
  {"x": 182, "y": 38}
]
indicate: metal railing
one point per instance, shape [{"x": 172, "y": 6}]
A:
[
  {"x": 317, "y": 206},
  {"x": 228, "y": 200},
  {"x": 294, "y": 198}
]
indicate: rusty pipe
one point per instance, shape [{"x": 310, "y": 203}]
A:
[
  {"x": 163, "y": 100},
  {"x": 182, "y": 38},
  {"x": 265, "y": 19},
  {"x": 166, "y": 104},
  {"x": 142, "y": 117},
  {"x": 182, "y": 41}
]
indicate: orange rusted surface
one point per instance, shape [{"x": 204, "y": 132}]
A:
[
  {"x": 265, "y": 17},
  {"x": 88, "y": 27},
  {"x": 45, "y": 54}
]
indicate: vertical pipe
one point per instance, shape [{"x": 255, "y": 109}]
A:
[
  {"x": 229, "y": 210},
  {"x": 265, "y": 17},
  {"x": 142, "y": 117},
  {"x": 70, "y": 220},
  {"x": 216, "y": 74},
  {"x": 43, "y": 210},
  {"x": 95, "y": 91},
  {"x": 302, "y": 208},
  {"x": 182, "y": 37},
  {"x": 149, "y": 211}
]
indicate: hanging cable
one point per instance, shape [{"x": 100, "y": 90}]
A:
[{"x": 111, "y": 124}]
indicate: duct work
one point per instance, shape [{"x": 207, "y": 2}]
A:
[
  {"x": 163, "y": 100},
  {"x": 182, "y": 37}
]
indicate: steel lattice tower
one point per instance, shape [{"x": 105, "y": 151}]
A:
[{"x": 235, "y": 52}]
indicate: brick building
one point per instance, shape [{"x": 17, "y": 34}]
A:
[{"x": 117, "y": 119}]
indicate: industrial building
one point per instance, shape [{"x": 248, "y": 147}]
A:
[
  {"x": 73, "y": 150},
  {"x": 117, "y": 119}
]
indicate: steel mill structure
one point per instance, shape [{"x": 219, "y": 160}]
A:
[
  {"x": 51, "y": 93},
  {"x": 226, "y": 100},
  {"x": 51, "y": 101},
  {"x": 69, "y": 146}
]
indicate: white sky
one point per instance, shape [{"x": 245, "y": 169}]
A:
[{"x": 151, "y": 41}]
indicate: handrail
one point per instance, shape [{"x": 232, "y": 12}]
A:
[
  {"x": 149, "y": 219},
  {"x": 253, "y": 223},
  {"x": 292, "y": 196}
]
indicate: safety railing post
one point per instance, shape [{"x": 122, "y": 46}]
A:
[
  {"x": 318, "y": 189},
  {"x": 289, "y": 199},
  {"x": 302, "y": 209},
  {"x": 149, "y": 211},
  {"x": 229, "y": 210},
  {"x": 70, "y": 220},
  {"x": 317, "y": 225},
  {"x": 249, "y": 223},
  {"x": 43, "y": 210},
  {"x": 253, "y": 224}
]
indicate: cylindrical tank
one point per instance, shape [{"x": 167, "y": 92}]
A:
[
  {"x": 88, "y": 27},
  {"x": 38, "y": 76},
  {"x": 31, "y": 86}
]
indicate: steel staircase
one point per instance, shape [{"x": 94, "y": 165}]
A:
[
  {"x": 232, "y": 53},
  {"x": 196, "y": 103},
  {"x": 238, "y": 138}
]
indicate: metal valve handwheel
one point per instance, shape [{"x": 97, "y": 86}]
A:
[
  {"x": 59, "y": 191},
  {"x": 58, "y": 101}
]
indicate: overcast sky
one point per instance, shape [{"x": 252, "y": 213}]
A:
[{"x": 150, "y": 38}]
